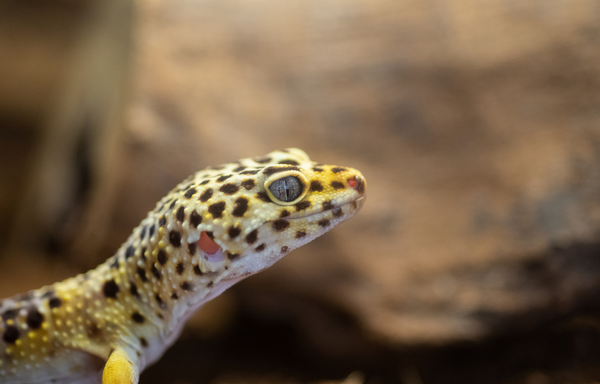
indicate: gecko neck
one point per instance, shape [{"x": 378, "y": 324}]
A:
[{"x": 182, "y": 310}]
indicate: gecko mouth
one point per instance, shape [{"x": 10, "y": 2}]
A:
[
  {"x": 348, "y": 210},
  {"x": 356, "y": 204}
]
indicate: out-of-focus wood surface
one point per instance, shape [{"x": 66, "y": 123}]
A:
[{"x": 475, "y": 123}]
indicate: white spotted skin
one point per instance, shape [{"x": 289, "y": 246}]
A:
[{"x": 140, "y": 298}]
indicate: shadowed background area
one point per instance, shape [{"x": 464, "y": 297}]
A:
[{"x": 476, "y": 258}]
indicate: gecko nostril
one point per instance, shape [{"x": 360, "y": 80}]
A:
[
  {"x": 352, "y": 182},
  {"x": 357, "y": 183}
]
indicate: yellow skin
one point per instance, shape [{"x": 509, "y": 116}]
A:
[{"x": 107, "y": 325}]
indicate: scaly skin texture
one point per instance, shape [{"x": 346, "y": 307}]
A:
[{"x": 215, "y": 228}]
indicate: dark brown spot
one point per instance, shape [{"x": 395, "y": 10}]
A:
[
  {"x": 337, "y": 212},
  {"x": 206, "y": 195},
  {"x": 174, "y": 296},
  {"x": 284, "y": 249},
  {"x": 137, "y": 318},
  {"x": 143, "y": 342},
  {"x": 248, "y": 184},
  {"x": 302, "y": 205},
  {"x": 151, "y": 231},
  {"x": 180, "y": 216},
  {"x": 338, "y": 170},
  {"x": 55, "y": 302},
  {"x": 323, "y": 223},
  {"x": 11, "y": 334},
  {"x": 264, "y": 160},
  {"x": 223, "y": 178},
  {"x": 234, "y": 232},
  {"x": 284, "y": 213},
  {"x": 205, "y": 182},
  {"x": 172, "y": 204},
  {"x": 239, "y": 169},
  {"x": 142, "y": 274},
  {"x": 192, "y": 247},
  {"x": 189, "y": 193},
  {"x": 175, "y": 238},
  {"x": 252, "y": 237},
  {"x": 229, "y": 189},
  {"x": 129, "y": 252},
  {"x": 337, "y": 185},
  {"x": 210, "y": 235},
  {"x": 360, "y": 185},
  {"x": 210, "y": 284},
  {"x": 197, "y": 270},
  {"x": 110, "y": 289},
  {"x": 133, "y": 290},
  {"x": 155, "y": 272},
  {"x": 143, "y": 233},
  {"x": 317, "y": 169},
  {"x": 162, "y": 257},
  {"x": 300, "y": 234},
  {"x": 25, "y": 297},
  {"x": 187, "y": 286},
  {"x": 34, "y": 318},
  {"x": 115, "y": 264},
  {"x": 217, "y": 209},
  {"x": 280, "y": 225},
  {"x": 316, "y": 186},
  {"x": 195, "y": 219},
  {"x": 241, "y": 206},
  {"x": 48, "y": 294},
  {"x": 262, "y": 195},
  {"x": 93, "y": 331},
  {"x": 160, "y": 301},
  {"x": 180, "y": 268},
  {"x": 327, "y": 205},
  {"x": 10, "y": 314},
  {"x": 162, "y": 221},
  {"x": 232, "y": 256},
  {"x": 249, "y": 172},
  {"x": 289, "y": 162},
  {"x": 261, "y": 247},
  {"x": 271, "y": 170}
]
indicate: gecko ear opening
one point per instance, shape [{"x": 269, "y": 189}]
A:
[
  {"x": 207, "y": 245},
  {"x": 213, "y": 257}
]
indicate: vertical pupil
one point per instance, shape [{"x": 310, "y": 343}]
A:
[{"x": 287, "y": 190}]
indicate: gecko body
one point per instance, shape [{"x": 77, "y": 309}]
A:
[{"x": 217, "y": 227}]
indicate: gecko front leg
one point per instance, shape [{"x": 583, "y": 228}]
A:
[{"x": 121, "y": 368}]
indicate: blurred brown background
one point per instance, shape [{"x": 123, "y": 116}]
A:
[{"x": 476, "y": 258}]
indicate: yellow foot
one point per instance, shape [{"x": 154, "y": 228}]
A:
[{"x": 121, "y": 368}]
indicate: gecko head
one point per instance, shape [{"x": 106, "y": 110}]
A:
[
  {"x": 290, "y": 205},
  {"x": 237, "y": 219}
]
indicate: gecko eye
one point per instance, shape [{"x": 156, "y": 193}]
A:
[{"x": 286, "y": 189}]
